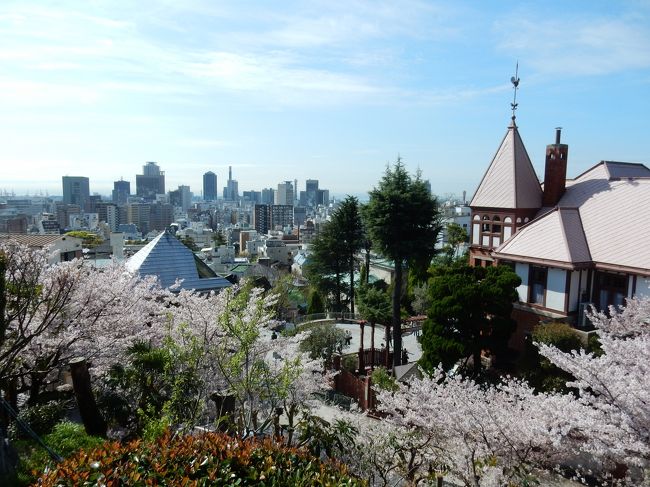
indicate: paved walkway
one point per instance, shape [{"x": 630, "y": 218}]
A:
[{"x": 409, "y": 341}]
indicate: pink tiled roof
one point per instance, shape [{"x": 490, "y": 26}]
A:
[
  {"x": 510, "y": 181},
  {"x": 556, "y": 236},
  {"x": 601, "y": 213}
]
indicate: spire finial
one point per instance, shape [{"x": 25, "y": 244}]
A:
[{"x": 515, "y": 83}]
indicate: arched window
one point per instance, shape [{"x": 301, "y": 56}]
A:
[
  {"x": 486, "y": 224},
  {"x": 496, "y": 227}
]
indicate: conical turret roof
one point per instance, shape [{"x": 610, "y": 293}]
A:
[{"x": 510, "y": 181}]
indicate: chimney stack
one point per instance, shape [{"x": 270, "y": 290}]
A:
[{"x": 555, "y": 171}]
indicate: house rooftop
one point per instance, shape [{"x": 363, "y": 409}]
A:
[{"x": 169, "y": 259}]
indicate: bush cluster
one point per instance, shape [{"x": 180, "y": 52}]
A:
[{"x": 206, "y": 459}]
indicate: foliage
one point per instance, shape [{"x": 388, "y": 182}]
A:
[
  {"x": 374, "y": 304},
  {"x": 559, "y": 335},
  {"x": 219, "y": 239},
  {"x": 334, "y": 250},
  {"x": 347, "y": 219},
  {"x": 470, "y": 313},
  {"x": 89, "y": 239},
  {"x": 384, "y": 381},
  {"x": 504, "y": 434},
  {"x": 323, "y": 341},
  {"x": 208, "y": 459},
  {"x": 327, "y": 264},
  {"x": 403, "y": 223},
  {"x": 58, "y": 311},
  {"x": 315, "y": 303},
  {"x": 65, "y": 439},
  {"x": 189, "y": 243},
  {"x": 321, "y": 437},
  {"x": 456, "y": 235},
  {"x": 156, "y": 387},
  {"x": 41, "y": 418},
  {"x": 614, "y": 385}
]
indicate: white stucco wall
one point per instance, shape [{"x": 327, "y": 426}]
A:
[{"x": 555, "y": 289}]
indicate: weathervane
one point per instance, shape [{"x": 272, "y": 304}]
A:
[{"x": 515, "y": 83}]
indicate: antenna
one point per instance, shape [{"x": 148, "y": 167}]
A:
[{"x": 515, "y": 83}]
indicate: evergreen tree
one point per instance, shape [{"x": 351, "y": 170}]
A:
[
  {"x": 347, "y": 219},
  {"x": 327, "y": 263},
  {"x": 403, "y": 223},
  {"x": 470, "y": 312}
]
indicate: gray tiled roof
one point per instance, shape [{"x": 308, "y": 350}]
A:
[{"x": 168, "y": 259}]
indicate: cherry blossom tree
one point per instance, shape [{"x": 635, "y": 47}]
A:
[{"x": 614, "y": 385}]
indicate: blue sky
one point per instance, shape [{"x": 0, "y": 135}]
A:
[{"x": 331, "y": 90}]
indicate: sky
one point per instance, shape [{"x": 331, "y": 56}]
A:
[{"x": 327, "y": 90}]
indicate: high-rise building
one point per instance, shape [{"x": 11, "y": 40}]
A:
[
  {"x": 107, "y": 212},
  {"x": 161, "y": 215},
  {"x": 281, "y": 216},
  {"x": 151, "y": 182},
  {"x": 268, "y": 196},
  {"x": 209, "y": 186},
  {"x": 262, "y": 219},
  {"x": 140, "y": 215},
  {"x": 121, "y": 192},
  {"x": 284, "y": 194},
  {"x": 76, "y": 191},
  {"x": 323, "y": 197},
  {"x": 231, "y": 190}
]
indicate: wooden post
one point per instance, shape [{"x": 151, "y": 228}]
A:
[
  {"x": 93, "y": 421},
  {"x": 372, "y": 345},
  {"x": 362, "y": 362}
]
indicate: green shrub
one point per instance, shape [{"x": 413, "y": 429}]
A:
[
  {"x": 559, "y": 335},
  {"x": 381, "y": 379},
  {"x": 207, "y": 459},
  {"x": 65, "y": 439},
  {"x": 323, "y": 341},
  {"x": 41, "y": 418}
]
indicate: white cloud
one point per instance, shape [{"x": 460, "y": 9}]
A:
[{"x": 578, "y": 46}]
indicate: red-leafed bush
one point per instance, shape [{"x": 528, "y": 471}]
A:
[{"x": 206, "y": 459}]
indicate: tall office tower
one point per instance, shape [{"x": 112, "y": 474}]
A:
[
  {"x": 76, "y": 191},
  {"x": 295, "y": 190},
  {"x": 121, "y": 192},
  {"x": 151, "y": 182},
  {"x": 262, "y": 218},
  {"x": 186, "y": 197},
  {"x": 309, "y": 196},
  {"x": 268, "y": 196},
  {"x": 231, "y": 190},
  {"x": 93, "y": 201},
  {"x": 284, "y": 194},
  {"x": 209, "y": 186},
  {"x": 323, "y": 197}
]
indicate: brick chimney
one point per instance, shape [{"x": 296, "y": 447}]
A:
[{"x": 555, "y": 171}]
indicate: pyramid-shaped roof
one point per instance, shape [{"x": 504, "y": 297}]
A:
[
  {"x": 556, "y": 236},
  {"x": 167, "y": 258},
  {"x": 510, "y": 180}
]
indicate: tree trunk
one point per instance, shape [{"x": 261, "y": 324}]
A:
[
  {"x": 338, "y": 291},
  {"x": 367, "y": 265},
  {"x": 352, "y": 284},
  {"x": 396, "y": 322},
  {"x": 90, "y": 415}
]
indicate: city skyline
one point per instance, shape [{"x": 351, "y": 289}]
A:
[{"x": 303, "y": 90}]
